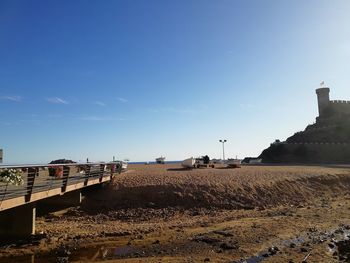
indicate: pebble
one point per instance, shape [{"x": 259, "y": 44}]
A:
[{"x": 303, "y": 249}]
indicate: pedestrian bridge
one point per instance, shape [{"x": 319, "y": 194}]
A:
[{"x": 48, "y": 184}]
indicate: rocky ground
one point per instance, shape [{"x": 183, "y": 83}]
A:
[{"x": 166, "y": 214}]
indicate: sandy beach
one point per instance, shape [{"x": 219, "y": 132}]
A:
[{"x": 163, "y": 213}]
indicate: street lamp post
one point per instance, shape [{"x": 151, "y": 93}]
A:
[{"x": 223, "y": 148}]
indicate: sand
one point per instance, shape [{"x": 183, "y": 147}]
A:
[
  {"x": 247, "y": 187},
  {"x": 162, "y": 213}
]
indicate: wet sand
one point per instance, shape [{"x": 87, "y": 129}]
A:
[{"x": 162, "y": 213}]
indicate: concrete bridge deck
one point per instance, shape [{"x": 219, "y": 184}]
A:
[{"x": 52, "y": 183}]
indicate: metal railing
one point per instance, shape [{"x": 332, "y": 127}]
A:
[{"x": 45, "y": 177}]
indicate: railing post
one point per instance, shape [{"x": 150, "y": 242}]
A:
[
  {"x": 102, "y": 170},
  {"x": 112, "y": 171},
  {"x": 87, "y": 174},
  {"x": 31, "y": 174},
  {"x": 65, "y": 178}
]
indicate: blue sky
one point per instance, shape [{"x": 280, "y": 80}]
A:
[{"x": 139, "y": 79}]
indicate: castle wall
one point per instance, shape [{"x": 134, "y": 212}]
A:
[
  {"x": 340, "y": 107},
  {"x": 327, "y": 141},
  {"x": 316, "y": 153}
]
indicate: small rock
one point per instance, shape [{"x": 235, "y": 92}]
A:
[
  {"x": 273, "y": 250},
  {"x": 52, "y": 239},
  {"x": 339, "y": 231},
  {"x": 303, "y": 249},
  {"x": 62, "y": 260},
  {"x": 347, "y": 227},
  {"x": 331, "y": 245},
  {"x": 137, "y": 254},
  {"x": 228, "y": 246}
]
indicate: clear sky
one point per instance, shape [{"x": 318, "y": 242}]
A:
[{"x": 139, "y": 79}]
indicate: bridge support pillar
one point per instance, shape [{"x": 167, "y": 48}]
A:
[
  {"x": 18, "y": 221},
  {"x": 66, "y": 200}
]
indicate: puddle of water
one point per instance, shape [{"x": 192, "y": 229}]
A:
[
  {"x": 343, "y": 248},
  {"x": 254, "y": 259},
  {"x": 123, "y": 251},
  {"x": 104, "y": 253},
  {"x": 338, "y": 242},
  {"x": 29, "y": 259},
  {"x": 339, "y": 238},
  {"x": 260, "y": 257}
]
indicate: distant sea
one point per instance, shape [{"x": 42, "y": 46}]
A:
[
  {"x": 166, "y": 162},
  {"x": 23, "y": 164}
]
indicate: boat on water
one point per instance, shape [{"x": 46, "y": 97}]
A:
[
  {"x": 160, "y": 160},
  {"x": 188, "y": 163},
  {"x": 234, "y": 163}
]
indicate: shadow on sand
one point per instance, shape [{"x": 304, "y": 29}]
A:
[
  {"x": 180, "y": 169},
  {"x": 227, "y": 167},
  {"x": 188, "y": 169}
]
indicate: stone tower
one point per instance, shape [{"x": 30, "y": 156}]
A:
[{"x": 323, "y": 100}]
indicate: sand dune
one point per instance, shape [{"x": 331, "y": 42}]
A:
[{"x": 247, "y": 187}]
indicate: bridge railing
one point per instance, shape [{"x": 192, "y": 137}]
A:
[{"x": 46, "y": 177}]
